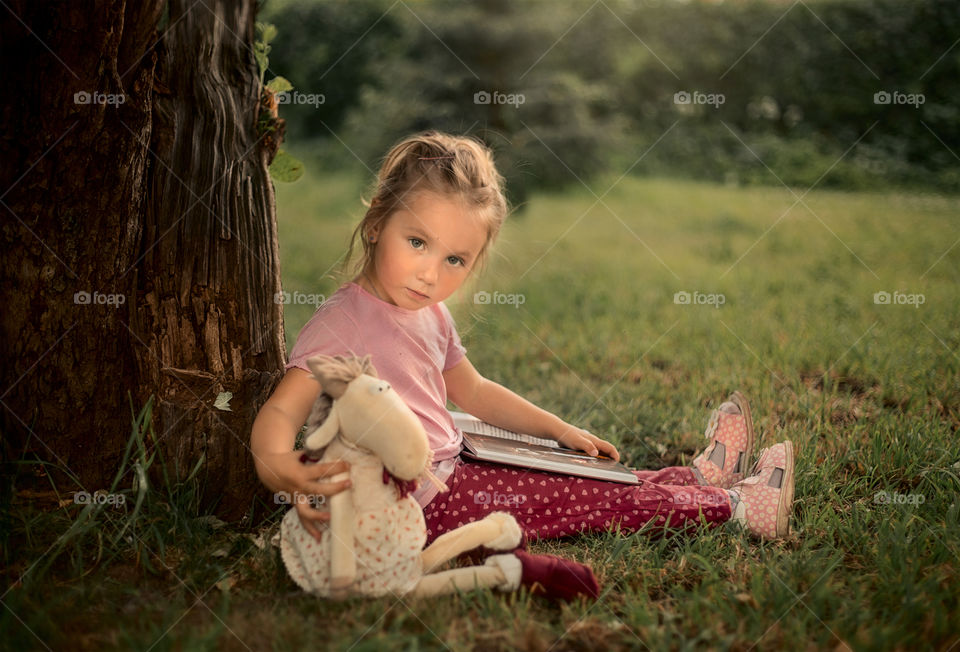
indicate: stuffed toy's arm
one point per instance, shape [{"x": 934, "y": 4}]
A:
[{"x": 343, "y": 560}]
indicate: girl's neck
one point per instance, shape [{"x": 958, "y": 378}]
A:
[{"x": 363, "y": 280}]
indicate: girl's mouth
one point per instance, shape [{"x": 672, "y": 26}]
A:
[{"x": 417, "y": 295}]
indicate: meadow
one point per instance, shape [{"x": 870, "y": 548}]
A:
[{"x": 632, "y": 307}]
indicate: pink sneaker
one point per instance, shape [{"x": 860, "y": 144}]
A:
[
  {"x": 766, "y": 497},
  {"x": 724, "y": 462}
]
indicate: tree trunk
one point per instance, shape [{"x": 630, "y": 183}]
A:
[
  {"x": 206, "y": 317},
  {"x": 138, "y": 238}
]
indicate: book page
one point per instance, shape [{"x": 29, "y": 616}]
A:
[{"x": 469, "y": 423}]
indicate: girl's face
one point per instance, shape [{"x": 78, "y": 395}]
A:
[{"x": 424, "y": 251}]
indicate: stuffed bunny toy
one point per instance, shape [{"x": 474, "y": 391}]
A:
[{"x": 373, "y": 544}]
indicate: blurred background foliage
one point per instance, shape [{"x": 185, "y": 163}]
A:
[{"x": 599, "y": 77}]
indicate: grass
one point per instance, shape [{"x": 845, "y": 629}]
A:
[{"x": 869, "y": 393}]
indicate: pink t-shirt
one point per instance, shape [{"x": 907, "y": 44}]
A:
[{"x": 410, "y": 349}]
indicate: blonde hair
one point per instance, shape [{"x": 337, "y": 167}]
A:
[{"x": 451, "y": 166}]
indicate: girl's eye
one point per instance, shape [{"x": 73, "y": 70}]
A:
[
  {"x": 455, "y": 260},
  {"x": 416, "y": 243}
]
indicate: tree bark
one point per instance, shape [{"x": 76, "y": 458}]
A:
[
  {"x": 206, "y": 317},
  {"x": 138, "y": 239}
]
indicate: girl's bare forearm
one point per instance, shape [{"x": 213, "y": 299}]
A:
[
  {"x": 273, "y": 433},
  {"x": 502, "y": 407}
]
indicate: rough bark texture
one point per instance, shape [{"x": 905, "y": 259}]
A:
[
  {"x": 162, "y": 200},
  {"x": 206, "y": 314},
  {"x": 72, "y": 182}
]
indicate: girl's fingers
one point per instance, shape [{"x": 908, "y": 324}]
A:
[
  {"x": 596, "y": 446},
  {"x": 586, "y": 445},
  {"x": 327, "y": 488},
  {"x": 331, "y": 468},
  {"x": 609, "y": 449},
  {"x": 590, "y": 444},
  {"x": 310, "y": 518}
]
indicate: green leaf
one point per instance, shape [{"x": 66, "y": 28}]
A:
[
  {"x": 285, "y": 168},
  {"x": 267, "y": 32},
  {"x": 279, "y": 85}
]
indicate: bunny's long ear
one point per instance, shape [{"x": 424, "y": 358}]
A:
[{"x": 325, "y": 433}]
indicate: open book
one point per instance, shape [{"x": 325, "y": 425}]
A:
[{"x": 489, "y": 443}]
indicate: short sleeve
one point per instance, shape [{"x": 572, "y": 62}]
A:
[
  {"x": 330, "y": 332},
  {"x": 456, "y": 351}
]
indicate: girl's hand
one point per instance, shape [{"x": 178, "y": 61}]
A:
[
  {"x": 580, "y": 439},
  {"x": 305, "y": 483}
]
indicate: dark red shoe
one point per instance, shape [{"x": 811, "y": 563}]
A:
[{"x": 556, "y": 577}]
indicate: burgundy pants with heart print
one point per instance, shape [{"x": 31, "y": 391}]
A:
[{"x": 550, "y": 505}]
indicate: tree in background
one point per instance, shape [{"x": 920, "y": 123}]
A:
[
  {"x": 598, "y": 82},
  {"x": 490, "y": 68},
  {"x": 333, "y": 50},
  {"x": 799, "y": 82},
  {"x": 139, "y": 240}
]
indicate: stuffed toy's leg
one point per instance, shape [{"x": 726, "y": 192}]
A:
[
  {"x": 497, "y": 531},
  {"x": 554, "y": 577},
  {"x": 343, "y": 561},
  {"x": 466, "y": 579}
]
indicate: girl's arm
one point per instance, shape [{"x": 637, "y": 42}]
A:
[
  {"x": 501, "y": 407},
  {"x": 278, "y": 466}
]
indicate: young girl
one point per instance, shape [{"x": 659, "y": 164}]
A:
[{"x": 437, "y": 209}]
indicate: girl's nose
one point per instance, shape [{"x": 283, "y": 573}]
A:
[{"x": 428, "y": 272}]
